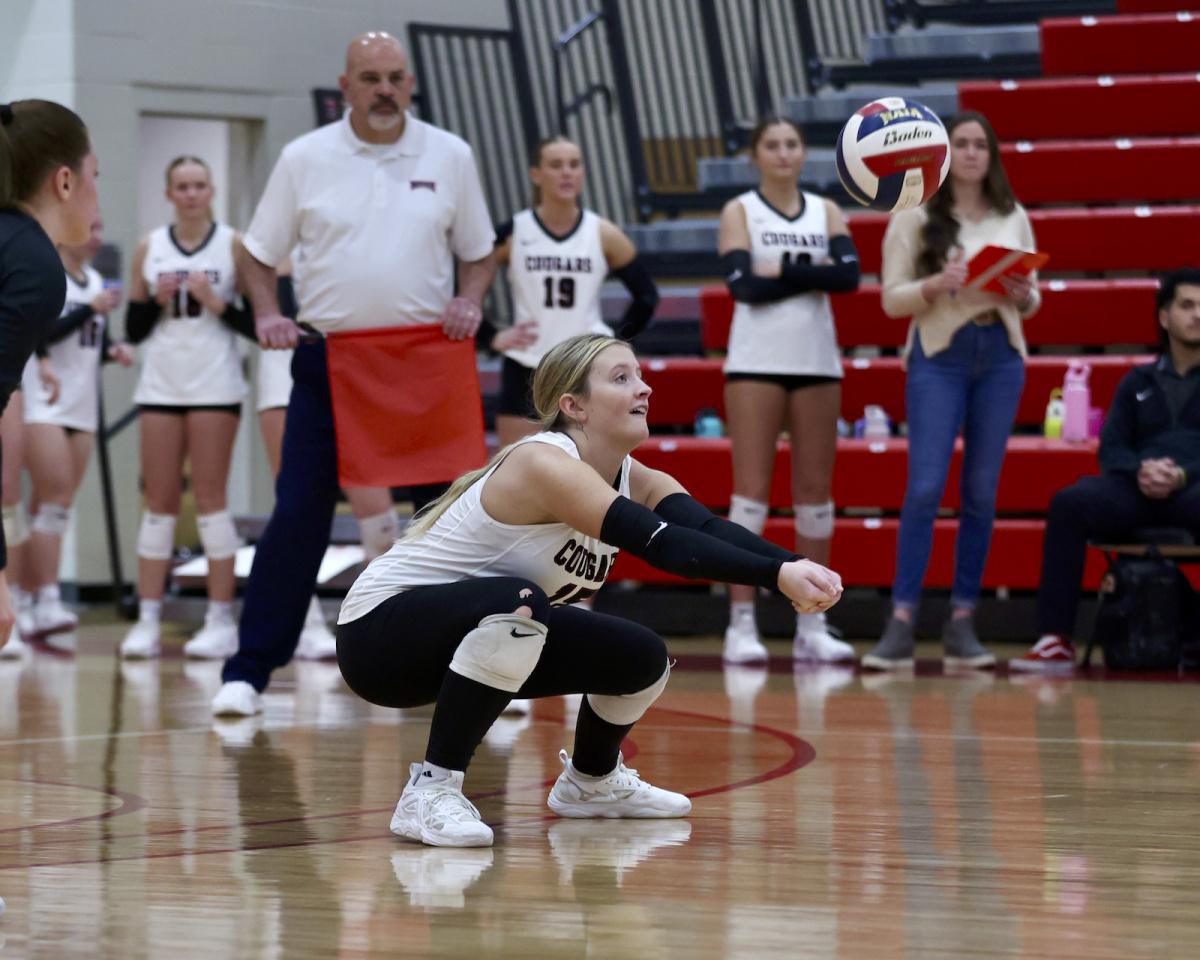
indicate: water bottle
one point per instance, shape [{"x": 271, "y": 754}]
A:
[
  {"x": 1077, "y": 401},
  {"x": 1053, "y": 424},
  {"x": 876, "y": 424},
  {"x": 708, "y": 424}
]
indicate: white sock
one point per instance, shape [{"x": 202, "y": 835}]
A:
[
  {"x": 432, "y": 772},
  {"x": 219, "y": 611},
  {"x": 742, "y": 610},
  {"x": 21, "y": 598},
  {"x": 149, "y": 611},
  {"x": 807, "y": 623},
  {"x": 49, "y": 594}
]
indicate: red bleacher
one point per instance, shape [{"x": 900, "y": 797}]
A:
[
  {"x": 1136, "y": 106},
  {"x": 1082, "y": 239},
  {"x": 1141, "y": 43},
  {"x": 685, "y": 385},
  {"x": 1075, "y": 312},
  {"x": 871, "y": 473},
  {"x": 1156, "y": 6}
]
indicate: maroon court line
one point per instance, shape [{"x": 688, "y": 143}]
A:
[
  {"x": 802, "y": 754},
  {"x": 130, "y": 803}
]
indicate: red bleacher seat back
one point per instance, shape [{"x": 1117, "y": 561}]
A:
[{"x": 1137, "y": 43}]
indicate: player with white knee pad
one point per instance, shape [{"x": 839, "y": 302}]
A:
[
  {"x": 784, "y": 251},
  {"x": 478, "y": 603}
]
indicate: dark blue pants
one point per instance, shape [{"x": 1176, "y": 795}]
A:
[{"x": 290, "y": 551}]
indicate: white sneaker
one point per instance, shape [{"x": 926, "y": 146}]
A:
[
  {"x": 23, "y": 607},
  {"x": 141, "y": 642},
  {"x": 518, "y": 708},
  {"x": 437, "y": 813},
  {"x": 620, "y": 794},
  {"x": 813, "y": 641},
  {"x": 440, "y": 878},
  {"x": 215, "y": 641},
  {"x": 742, "y": 643},
  {"x": 50, "y": 616},
  {"x": 16, "y": 648},
  {"x": 237, "y": 698},
  {"x": 317, "y": 641}
]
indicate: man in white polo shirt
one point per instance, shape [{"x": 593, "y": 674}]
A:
[{"x": 386, "y": 212}]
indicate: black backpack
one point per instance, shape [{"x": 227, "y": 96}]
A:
[{"x": 1146, "y": 616}]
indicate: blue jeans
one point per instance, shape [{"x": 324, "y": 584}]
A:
[{"x": 974, "y": 384}]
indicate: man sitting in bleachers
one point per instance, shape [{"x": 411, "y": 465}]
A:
[{"x": 1150, "y": 455}]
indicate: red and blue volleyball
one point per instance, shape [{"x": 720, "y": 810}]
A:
[{"x": 893, "y": 154}]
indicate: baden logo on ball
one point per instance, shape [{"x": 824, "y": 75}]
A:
[{"x": 893, "y": 154}]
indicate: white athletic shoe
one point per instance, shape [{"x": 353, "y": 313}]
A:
[
  {"x": 620, "y": 794},
  {"x": 215, "y": 641},
  {"x": 23, "y": 607},
  {"x": 50, "y": 616},
  {"x": 317, "y": 641},
  {"x": 237, "y": 698},
  {"x": 16, "y": 648},
  {"x": 813, "y": 641},
  {"x": 440, "y": 878},
  {"x": 742, "y": 643},
  {"x": 518, "y": 708},
  {"x": 141, "y": 642},
  {"x": 436, "y": 812}
]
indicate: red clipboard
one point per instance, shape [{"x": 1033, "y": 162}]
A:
[
  {"x": 406, "y": 406},
  {"x": 985, "y": 269}
]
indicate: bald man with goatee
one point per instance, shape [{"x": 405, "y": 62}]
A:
[{"x": 387, "y": 219}]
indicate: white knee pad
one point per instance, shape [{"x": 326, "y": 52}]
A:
[
  {"x": 628, "y": 708},
  {"x": 52, "y": 519},
  {"x": 156, "y": 538},
  {"x": 814, "y": 520},
  {"x": 501, "y": 652},
  {"x": 748, "y": 513},
  {"x": 378, "y": 533},
  {"x": 218, "y": 535},
  {"x": 16, "y": 527}
]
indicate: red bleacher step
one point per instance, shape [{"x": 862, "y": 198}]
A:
[
  {"x": 873, "y": 473},
  {"x": 685, "y": 385},
  {"x": 1106, "y": 106},
  {"x": 1133, "y": 43},
  {"x": 1075, "y": 312},
  {"x": 1078, "y": 239}
]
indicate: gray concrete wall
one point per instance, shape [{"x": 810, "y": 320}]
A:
[{"x": 257, "y": 61}]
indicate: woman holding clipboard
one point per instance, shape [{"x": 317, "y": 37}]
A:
[{"x": 965, "y": 360}]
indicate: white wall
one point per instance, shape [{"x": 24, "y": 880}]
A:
[{"x": 118, "y": 61}]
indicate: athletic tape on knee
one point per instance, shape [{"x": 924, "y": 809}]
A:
[
  {"x": 378, "y": 533},
  {"x": 16, "y": 528},
  {"x": 501, "y": 652},
  {"x": 814, "y": 520},
  {"x": 748, "y": 513},
  {"x": 218, "y": 535},
  {"x": 156, "y": 537},
  {"x": 628, "y": 708},
  {"x": 52, "y": 519}
]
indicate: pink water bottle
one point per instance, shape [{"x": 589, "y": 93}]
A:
[{"x": 1077, "y": 400}]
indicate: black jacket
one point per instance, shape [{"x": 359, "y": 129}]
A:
[{"x": 1139, "y": 427}]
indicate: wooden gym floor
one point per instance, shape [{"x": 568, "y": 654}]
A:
[{"x": 836, "y": 815}]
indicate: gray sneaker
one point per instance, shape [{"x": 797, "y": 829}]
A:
[
  {"x": 894, "y": 651},
  {"x": 961, "y": 647}
]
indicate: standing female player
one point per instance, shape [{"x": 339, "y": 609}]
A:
[
  {"x": 47, "y": 197},
  {"x": 784, "y": 252},
  {"x": 377, "y": 522},
  {"x": 966, "y": 369},
  {"x": 471, "y": 608},
  {"x": 59, "y": 428},
  {"x": 558, "y": 256},
  {"x": 181, "y": 303}
]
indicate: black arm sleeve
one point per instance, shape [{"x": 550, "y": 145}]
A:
[
  {"x": 839, "y": 277},
  {"x": 67, "y": 324},
  {"x": 485, "y": 335},
  {"x": 748, "y": 288},
  {"x": 641, "y": 287},
  {"x": 688, "y": 512},
  {"x": 240, "y": 320},
  {"x": 683, "y": 552},
  {"x": 285, "y": 293},
  {"x": 503, "y": 232},
  {"x": 106, "y": 344},
  {"x": 140, "y": 318}
]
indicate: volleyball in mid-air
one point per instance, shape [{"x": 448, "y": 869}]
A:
[{"x": 893, "y": 154}]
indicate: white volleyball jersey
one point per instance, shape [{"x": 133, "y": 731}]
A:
[
  {"x": 796, "y": 335},
  {"x": 556, "y": 282},
  {"x": 466, "y": 542},
  {"x": 190, "y": 358},
  {"x": 274, "y": 378},
  {"x": 75, "y": 360}
]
